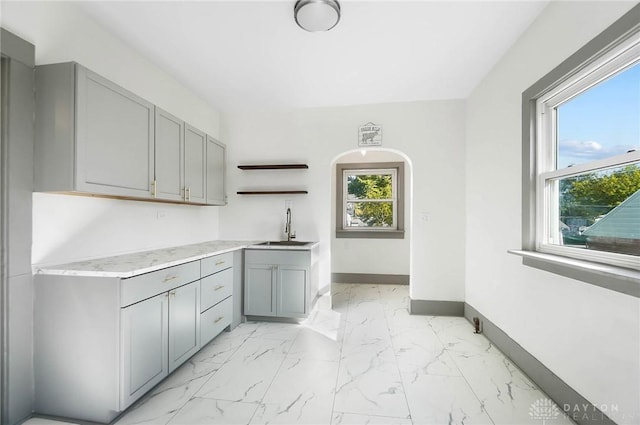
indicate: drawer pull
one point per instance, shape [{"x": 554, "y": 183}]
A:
[
  {"x": 219, "y": 287},
  {"x": 218, "y": 319},
  {"x": 219, "y": 263},
  {"x": 169, "y": 278}
]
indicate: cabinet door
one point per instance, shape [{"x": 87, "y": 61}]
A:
[
  {"x": 144, "y": 347},
  {"x": 195, "y": 158},
  {"x": 215, "y": 172},
  {"x": 260, "y": 289},
  {"x": 292, "y": 291},
  {"x": 169, "y": 173},
  {"x": 114, "y": 151},
  {"x": 184, "y": 323}
]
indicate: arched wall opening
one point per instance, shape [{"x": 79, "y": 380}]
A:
[{"x": 367, "y": 260}]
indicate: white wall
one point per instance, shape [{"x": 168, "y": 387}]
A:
[
  {"x": 71, "y": 228},
  {"x": 588, "y": 336},
  {"x": 430, "y": 134},
  {"x": 371, "y": 255},
  {"x": 61, "y": 32}
]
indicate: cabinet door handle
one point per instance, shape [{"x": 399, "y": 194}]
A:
[
  {"x": 187, "y": 194},
  {"x": 218, "y": 319},
  {"x": 154, "y": 188},
  {"x": 169, "y": 278},
  {"x": 219, "y": 287},
  {"x": 172, "y": 293}
]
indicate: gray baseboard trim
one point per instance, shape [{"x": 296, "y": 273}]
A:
[
  {"x": 436, "y": 308},
  {"x": 375, "y": 279},
  {"x": 578, "y": 408}
]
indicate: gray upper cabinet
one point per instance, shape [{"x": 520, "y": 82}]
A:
[
  {"x": 195, "y": 164},
  {"x": 216, "y": 152},
  {"x": 91, "y": 135},
  {"x": 94, "y": 137},
  {"x": 169, "y": 159}
]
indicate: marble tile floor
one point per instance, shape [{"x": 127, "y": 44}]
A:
[{"x": 366, "y": 361}]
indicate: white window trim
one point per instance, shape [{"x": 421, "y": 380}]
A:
[
  {"x": 617, "y": 59},
  {"x": 394, "y": 199},
  {"x": 610, "y": 276}
]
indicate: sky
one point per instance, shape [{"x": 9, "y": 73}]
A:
[{"x": 601, "y": 122}]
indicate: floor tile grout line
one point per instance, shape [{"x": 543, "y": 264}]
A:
[
  {"x": 144, "y": 400},
  {"x": 205, "y": 381},
  {"x": 284, "y": 358},
  {"x": 395, "y": 358},
  {"x": 335, "y": 387},
  {"x": 463, "y": 375}
]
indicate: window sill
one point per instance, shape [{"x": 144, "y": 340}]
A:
[
  {"x": 619, "y": 279},
  {"x": 370, "y": 234}
]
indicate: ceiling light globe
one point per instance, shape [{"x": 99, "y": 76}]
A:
[{"x": 317, "y": 15}]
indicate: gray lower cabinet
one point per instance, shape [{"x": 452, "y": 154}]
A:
[
  {"x": 145, "y": 347},
  {"x": 184, "y": 324},
  {"x": 292, "y": 291},
  {"x": 92, "y": 136},
  {"x": 216, "y": 301},
  {"x": 260, "y": 289},
  {"x": 103, "y": 342},
  {"x": 277, "y": 283}
]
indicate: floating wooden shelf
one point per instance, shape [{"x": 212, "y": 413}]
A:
[
  {"x": 274, "y": 167},
  {"x": 273, "y": 192}
]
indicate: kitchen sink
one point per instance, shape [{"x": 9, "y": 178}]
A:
[{"x": 284, "y": 243}]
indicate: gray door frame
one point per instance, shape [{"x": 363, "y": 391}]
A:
[
  {"x": 4, "y": 75},
  {"x": 13, "y": 50}
]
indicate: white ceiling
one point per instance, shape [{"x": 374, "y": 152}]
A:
[{"x": 250, "y": 54}]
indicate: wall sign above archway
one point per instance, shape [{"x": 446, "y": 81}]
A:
[{"x": 369, "y": 134}]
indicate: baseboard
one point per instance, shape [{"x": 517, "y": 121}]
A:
[
  {"x": 578, "y": 408},
  {"x": 375, "y": 279},
  {"x": 436, "y": 308}
]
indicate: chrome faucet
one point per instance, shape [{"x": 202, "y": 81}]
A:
[{"x": 290, "y": 234}]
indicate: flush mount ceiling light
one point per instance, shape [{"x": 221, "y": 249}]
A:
[{"x": 317, "y": 15}]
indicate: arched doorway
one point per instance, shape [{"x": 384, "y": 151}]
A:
[{"x": 370, "y": 259}]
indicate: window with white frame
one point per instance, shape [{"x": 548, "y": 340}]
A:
[
  {"x": 369, "y": 200},
  {"x": 586, "y": 165}
]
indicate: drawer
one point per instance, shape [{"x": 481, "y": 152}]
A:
[
  {"x": 147, "y": 285},
  {"x": 211, "y": 265},
  {"x": 214, "y": 320},
  {"x": 215, "y": 288}
]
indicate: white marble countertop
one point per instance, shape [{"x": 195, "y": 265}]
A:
[{"x": 129, "y": 265}]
